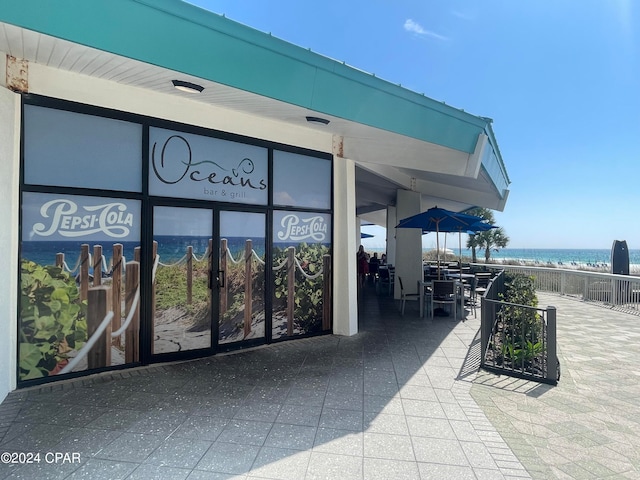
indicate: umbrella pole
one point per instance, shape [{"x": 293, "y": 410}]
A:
[
  {"x": 438, "y": 248},
  {"x": 460, "y": 251}
]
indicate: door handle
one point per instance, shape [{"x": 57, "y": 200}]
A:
[{"x": 219, "y": 283}]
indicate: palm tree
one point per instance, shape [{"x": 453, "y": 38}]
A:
[
  {"x": 475, "y": 240},
  {"x": 492, "y": 240}
]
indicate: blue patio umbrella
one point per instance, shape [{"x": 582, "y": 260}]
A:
[
  {"x": 365, "y": 235},
  {"x": 440, "y": 220}
]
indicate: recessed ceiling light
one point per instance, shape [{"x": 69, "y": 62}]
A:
[
  {"x": 187, "y": 86},
  {"x": 323, "y": 121}
]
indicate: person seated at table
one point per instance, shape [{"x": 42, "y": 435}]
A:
[
  {"x": 374, "y": 263},
  {"x": 383, "y": 259}
]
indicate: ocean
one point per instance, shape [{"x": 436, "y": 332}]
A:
[
  {"x": 558, "y": 256},
  {"x": 170, "y": 249}
]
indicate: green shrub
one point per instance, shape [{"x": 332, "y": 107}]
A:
[
  {"x": 520, "y": 328},
  {"x": 52, "y": 319}
]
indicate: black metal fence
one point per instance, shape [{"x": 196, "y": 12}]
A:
[{"x": 518, "y": 340}]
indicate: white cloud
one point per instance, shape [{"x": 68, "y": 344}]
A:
[
  {"x": 414, "y": 27},
  {"x": 462, "y": 15}
]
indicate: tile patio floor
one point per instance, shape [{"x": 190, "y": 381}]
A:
[{"x": 400, "y": 400}]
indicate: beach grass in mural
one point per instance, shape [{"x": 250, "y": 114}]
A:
[
  {"x": 182, "y": 315},
  {"x": 242, "y": 295},
  {"x": 242, "y": 311},
  {"x": 187, "y": 309}
]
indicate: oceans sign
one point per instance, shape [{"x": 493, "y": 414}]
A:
[
  {"x": 302, "y": 227},
  {"x": 51, "y": 217},
  {"x": 193, "y": 166}
]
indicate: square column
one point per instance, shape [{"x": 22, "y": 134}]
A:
[
  {"x": 391, "y": 235},
  {"x": 9, "y": 182},
  {"x": 346, "y": 238},
  {"x": 408, "y": 250}
]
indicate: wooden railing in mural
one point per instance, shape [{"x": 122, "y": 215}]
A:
[
  {"x": 291, "y": 263},
  {"x": 104, "y": 301},
  {"x": 247, "y": 258}
]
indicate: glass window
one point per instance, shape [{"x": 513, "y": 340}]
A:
[
  {"x": 75, "y": 150},
  {"x": 183, "y": 244},
  {"x": 301, "y": 181},
  {"x": 76, "y": 273},
  {"x": 183, "y": 165},
  {"x": 302, "y": 279}
]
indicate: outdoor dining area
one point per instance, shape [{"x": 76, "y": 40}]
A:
[
  {"x": 454, "y": 293},
  {"x": 448, "y": 289}
]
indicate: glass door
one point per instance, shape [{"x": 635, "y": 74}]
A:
[
  {"x": 242, "y": 275},
  {"x": 182, "y": 279},
  {"x": 207, "y": 291}
]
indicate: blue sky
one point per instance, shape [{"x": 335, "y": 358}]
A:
[{"x": 561, "y": 80}]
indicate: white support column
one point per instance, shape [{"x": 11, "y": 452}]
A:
[
  {"x": 391, "y": 235},
  {"x": 9, "y": 179},
  {"x": 346, "y": 239},
  {"x": 408, "y": 243}
]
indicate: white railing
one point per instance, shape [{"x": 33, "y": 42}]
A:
[{"x": 619, "y": 291}]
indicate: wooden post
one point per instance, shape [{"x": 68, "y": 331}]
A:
[
  {"x": 248, "y": 280},
  {"x": 223, "y": 267},
  {"x": 97, "y": 265},
  {"x": 136, "y": 254},
  {"x": 291, "y": 284},
  {"x": 552, "y": 348},
  {"x": 60, "y": 260},
  {"x": 189, "y": 275},
  {"x": 154, "y": 282},
  {"x": 97, "y": 308},
  {"x": 132, "y": 334},
  {"x": 326, "y": 292},
  {"x": 84, "y": 271},
  {"x": 116, "y": 290}
]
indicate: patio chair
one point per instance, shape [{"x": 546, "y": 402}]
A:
[
  {"x": 470, "y": 290},
  {"x": 482, "y": 284},
  {"x": 444, "y": 293},
  {"x": 383, "y": 285},
  {"x": 404, "y": 296},
  {"x": 427, "y": 292}
]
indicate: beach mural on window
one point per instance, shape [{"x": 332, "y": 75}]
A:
[
  {"x": 242, "y": 262},
  {"x": 302, "y": 273},
  {"x": 79, "y": 290},
  {"x": 182, "y": 278},
  {"x": 181, "y": 293}
]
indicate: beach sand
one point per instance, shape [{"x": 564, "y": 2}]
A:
[{"x": 599, "y": 268}]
